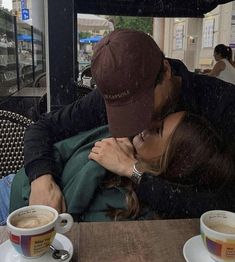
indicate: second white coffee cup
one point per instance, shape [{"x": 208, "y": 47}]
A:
[{"x": 218, "y": 234}]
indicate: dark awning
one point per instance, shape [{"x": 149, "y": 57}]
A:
[{"x": 152, "y": 8}]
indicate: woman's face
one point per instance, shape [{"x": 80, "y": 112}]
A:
[
  {"x": 149, "y": 146},
  {"x": 217, "y": 56}
]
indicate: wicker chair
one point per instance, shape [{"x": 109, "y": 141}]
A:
[{"x": 12, "y": 128}]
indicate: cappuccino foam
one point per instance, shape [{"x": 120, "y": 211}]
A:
[
  {"x": 34, "y": 220},
  {"x": 223, "y": 228}
]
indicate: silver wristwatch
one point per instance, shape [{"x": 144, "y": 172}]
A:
[{"x": 136, "y": 175}]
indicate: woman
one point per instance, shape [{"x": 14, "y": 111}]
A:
[
  {"x": 191, "y": 171},
  {"x": 183, "y": 153},
  {"x": 224, "y": 68}
]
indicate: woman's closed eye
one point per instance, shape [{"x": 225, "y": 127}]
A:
[{"x": 156, "y": 128}]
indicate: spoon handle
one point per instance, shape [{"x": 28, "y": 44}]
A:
[{"x": 52, "y": 248}]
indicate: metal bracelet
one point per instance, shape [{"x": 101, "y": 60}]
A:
[{"x": 136, "y": 175}]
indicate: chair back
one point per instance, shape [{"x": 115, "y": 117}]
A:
[
  {"x": 82, "y": 90},
  {"x": 12, "y": 128},
  {"x": 86, "y": 71},
  {"x": 40, "y": 80},
  {"x": 86, "y": 77}
]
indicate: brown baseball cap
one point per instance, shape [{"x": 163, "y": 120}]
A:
[{"x": 125, "y": 65}]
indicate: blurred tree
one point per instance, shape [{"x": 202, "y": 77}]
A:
[
  {"x": 144, "y": 24},
  {"x": 84, "y": 34}
]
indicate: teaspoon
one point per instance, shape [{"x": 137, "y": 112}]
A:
[{"x": 59, "y": 253}]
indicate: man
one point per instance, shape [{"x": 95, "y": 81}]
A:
[{"x": 137, "y": 84}]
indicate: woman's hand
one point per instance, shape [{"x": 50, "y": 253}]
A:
[{"x": 114, "y": 154}]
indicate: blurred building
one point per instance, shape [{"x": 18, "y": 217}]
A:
[{"x": 192, "y": 40}]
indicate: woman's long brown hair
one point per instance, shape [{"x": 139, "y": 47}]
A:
[{"x": 194, "y": 155}]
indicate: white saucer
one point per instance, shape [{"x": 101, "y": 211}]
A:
[
  {"x": 8, "y": 253},
  {"x": 195, "y": 251}
]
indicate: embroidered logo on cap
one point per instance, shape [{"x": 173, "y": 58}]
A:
[{"x": 116, "y": 96}]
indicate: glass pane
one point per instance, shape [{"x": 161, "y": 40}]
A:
[
  {"x": 38, "y": 52},
  {"x": 92, "y": 28},
  {"x": 8, "y": 75},
  {"x": 25, "y": 53}
]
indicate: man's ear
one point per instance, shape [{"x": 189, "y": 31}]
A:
[{"x": 167, "y": 70}]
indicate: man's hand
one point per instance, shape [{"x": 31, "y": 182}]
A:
[
  {"x": 126, "y": 145},
  {"x": 44, "y": 191},
  {"x": 116, "y": 155}
]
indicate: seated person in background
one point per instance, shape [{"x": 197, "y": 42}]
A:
[
  {"x": 184, "y": 156},
  {"x": 224, "y": 68}
]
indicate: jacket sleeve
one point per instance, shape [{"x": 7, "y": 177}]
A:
[
  {"x": 173, "y": 200},
  {"x": 84, "y": 114}
]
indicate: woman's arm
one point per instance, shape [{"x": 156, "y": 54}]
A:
[{"x": 217, "y": 69}]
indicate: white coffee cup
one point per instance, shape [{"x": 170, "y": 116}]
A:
[
  {"x": 32, "y": 229},
  {"x": 218, "y": 234}
]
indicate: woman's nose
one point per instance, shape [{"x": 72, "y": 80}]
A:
[{"x": 144, "y": 134}]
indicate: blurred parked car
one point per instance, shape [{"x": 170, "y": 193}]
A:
[
  {"x": 8, "y": 81},
  {"x": 27, "y": 75}
]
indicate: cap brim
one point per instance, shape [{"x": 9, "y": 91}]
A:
[{"x": 132, "y": 118}]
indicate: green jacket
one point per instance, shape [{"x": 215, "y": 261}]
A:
[{"x": 79, "y": 179}]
